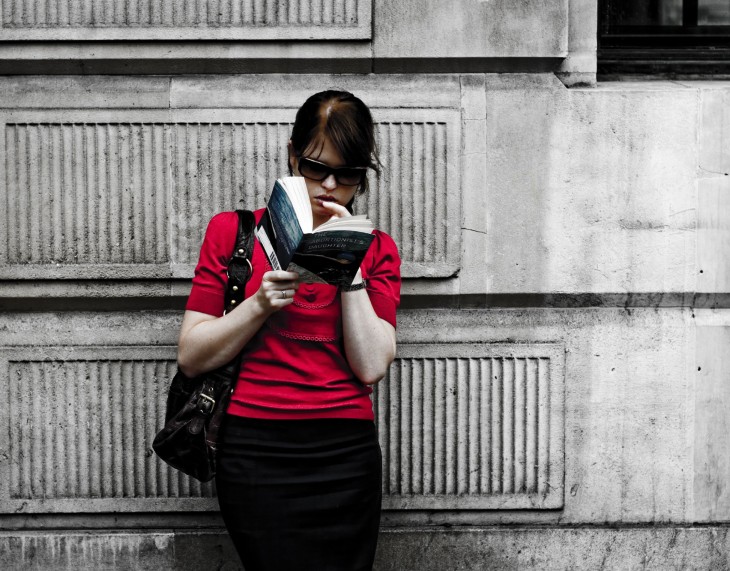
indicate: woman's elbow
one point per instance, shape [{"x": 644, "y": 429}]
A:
[
  {"x": 188, "y": 372},
  {"x": 186, "y": 367},
  {"x": 373, "y": 375},
  {"x": 371, "y": 379}
]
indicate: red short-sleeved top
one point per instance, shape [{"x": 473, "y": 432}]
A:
[{"x": 295, "y": 365}]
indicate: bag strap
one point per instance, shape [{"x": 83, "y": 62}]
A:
[
  {"x": 240, "y": 268},
  {"x": 239, "y": 272}
]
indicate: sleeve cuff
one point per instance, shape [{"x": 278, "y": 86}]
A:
[
  {"x": 205, "y": 300},
  {"x": 384, "y": 307}
]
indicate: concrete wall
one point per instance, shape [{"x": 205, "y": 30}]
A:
[
  {"x": 261, "y": 36},
  {"x": 560, "y": 397}
]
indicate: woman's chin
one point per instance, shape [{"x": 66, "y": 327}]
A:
[
  {"x": 319, "y": 215},
  {"x": 318, "y": 209}
]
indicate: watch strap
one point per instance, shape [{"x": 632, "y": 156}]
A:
[{"x": 354, "y": 287}]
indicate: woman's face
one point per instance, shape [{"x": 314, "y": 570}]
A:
[{"x": 328, "y": 189}]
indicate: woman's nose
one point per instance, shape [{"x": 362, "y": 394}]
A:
[{"x": 330, "y": 183}]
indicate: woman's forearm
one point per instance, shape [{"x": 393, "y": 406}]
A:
[
  {"x": 206, "y": 344},
  {"x": 369, "y": 341}
]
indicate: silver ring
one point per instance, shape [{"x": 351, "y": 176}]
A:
[{"x": 284, "y": 294}]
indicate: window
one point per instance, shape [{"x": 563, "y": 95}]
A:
[{"x": 664, "y": 36}]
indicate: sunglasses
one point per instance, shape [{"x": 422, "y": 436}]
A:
[{"x": 346, "y": 176}]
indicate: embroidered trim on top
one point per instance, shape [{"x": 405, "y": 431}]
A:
[
  {"x": 300, "y": 336},
  {"x": 305, "y": 305}
]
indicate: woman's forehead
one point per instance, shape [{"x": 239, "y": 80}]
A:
[{"x": 321, "y": 149}]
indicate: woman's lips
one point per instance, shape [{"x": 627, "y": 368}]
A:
[{"x": 326, "y": 198}]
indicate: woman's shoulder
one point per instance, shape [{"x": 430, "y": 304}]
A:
[
  {"x": 229, "y": 219},
  {"x": 382, "y": 257},
  {"x": 223, "y": 220},
  {"x": 384, "y": 243}
]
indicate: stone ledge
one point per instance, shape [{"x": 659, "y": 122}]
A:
[
  {"x": 484, "y": 549},
  {"x": 249, "y": 57},
  {"x": 417, "y": 293}
]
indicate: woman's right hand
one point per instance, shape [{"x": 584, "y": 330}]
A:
[
  {"x": 207, "y": 342},
  {"x": 277, "y": 290}
]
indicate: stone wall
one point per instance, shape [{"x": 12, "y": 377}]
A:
[{"x": 559, "y": 399}]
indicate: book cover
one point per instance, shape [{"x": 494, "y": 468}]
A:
[{"x": 331, "y": 253}]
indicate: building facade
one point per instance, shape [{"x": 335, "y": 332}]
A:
[{"x": 560, "y": 398}]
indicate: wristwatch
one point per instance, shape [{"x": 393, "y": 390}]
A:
[{"x": 354, "y": 287}]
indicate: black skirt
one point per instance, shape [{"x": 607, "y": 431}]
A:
[{"x": 300, "y": 494}]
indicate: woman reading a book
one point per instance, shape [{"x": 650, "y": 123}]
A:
[{"x": 299, "y": 465}]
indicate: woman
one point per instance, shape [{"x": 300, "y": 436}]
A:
[{"x": 299, "y": 466}]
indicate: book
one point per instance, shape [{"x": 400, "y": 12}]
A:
[{"x": 330, "y": 253}]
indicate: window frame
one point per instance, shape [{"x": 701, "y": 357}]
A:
[{"x": 689, "y": 49}]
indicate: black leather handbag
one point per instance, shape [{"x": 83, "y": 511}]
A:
[{"x": 196, "y": 407}]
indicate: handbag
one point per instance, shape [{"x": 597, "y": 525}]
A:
[{"x": 196, "y": 406}]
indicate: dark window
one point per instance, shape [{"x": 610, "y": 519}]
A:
[{"x": 664, "y": 36}]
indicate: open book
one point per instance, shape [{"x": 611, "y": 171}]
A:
[{"x": 331, "y": 253}]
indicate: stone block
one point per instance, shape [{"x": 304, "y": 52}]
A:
[
  {"x": 469, "y": 29},
  {"x": 540, "y": 548},
  {"x": 105, "y": 92},
  {"x": 532, "y": 548},
  {"x": 713, "y": 234},
  {"x": 630, "y": 398},
  {"x": 474, "y": 177},
  {"x": 714, "y": 126},
  {"x": 598, "y": 194},
  {"x": 88, "y": 20},
  {"x": 108, "y": 551},
  {"x": 209, "y": 549},
  {"x": 628, "y": 389},
  {"x": 472, "y": 426},
  {"x": 81, "y": 422},
  {"x": 461, "y": 427},
  {"x": 289, "y": 91},
  {"x": 624, "y": 221},
  {"x": 711, "y": 419},
  {"x": 628, "y": 460},
  {"x": 128, "y": 194}
]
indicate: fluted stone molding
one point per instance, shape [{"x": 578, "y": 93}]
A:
[
  {"x": 72, "y": 20},
  {"x": 462, "y": 426},
  {"x": 127, "y": 194},
  {"x": 473, "y": 426},
  {"x": 80, "y": 427}
]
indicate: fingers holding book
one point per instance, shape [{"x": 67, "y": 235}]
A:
[
  {"x": 337, "y": 210},
  {"x": 277, "y": 290}
]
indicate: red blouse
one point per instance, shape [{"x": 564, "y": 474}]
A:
[{"x": 295, "y": 365}]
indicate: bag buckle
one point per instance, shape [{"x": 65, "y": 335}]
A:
[
  {"x": 250, "y": 266},
  {"x": 205, "y": 404}
]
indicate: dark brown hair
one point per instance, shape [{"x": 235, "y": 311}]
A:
[{"x": 343, "y": 119}]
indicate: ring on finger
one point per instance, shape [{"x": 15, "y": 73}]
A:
[{"x": 284, "y": 293}]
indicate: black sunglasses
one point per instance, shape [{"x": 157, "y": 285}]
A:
[{"x": 347, "y": 176}]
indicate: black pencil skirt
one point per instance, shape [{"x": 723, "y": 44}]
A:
[{"x": 300, "y": 494}]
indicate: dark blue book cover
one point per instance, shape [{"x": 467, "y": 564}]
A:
[
  {"x": 331, "y": 256},
  {"x": 287, "y": 233}
]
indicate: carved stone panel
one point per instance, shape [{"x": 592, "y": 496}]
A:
[
  {"x": 81, "y": 20},
  {"x": 461, "y": 426},
  {"x": 473, "y": 426},
  {"x": 128, "y": 194},
  {"x": 79, "y": 424}
]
